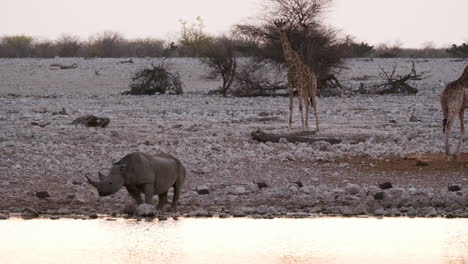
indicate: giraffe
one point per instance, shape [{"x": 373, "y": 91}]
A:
[
  {"x": 301, "y": 77},
  {"x": 454, "y": 100}
]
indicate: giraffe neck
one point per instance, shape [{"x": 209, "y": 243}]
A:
[
  {"x": 465, "y": 73},
  {"x": 290, "y": 55}
]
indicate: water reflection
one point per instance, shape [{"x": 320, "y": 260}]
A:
[{"x": 323, "y": 240}]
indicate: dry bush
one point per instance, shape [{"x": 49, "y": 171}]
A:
[
  {"x": 45, "y": 49},
  {"x": 394, "y": 83},
  {"x": 148, "y": 47},
  {"x": 221, "y": 59},
  {"x": 155, "y": 80},
  {"x": 255, "y": 78},
  {"x": 16, "y": 46},
  {"x": 108, "y": 44},
  {"x": 68, "y": 45}
]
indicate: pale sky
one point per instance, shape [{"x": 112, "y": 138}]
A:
[{"x": 410, "y": 22}]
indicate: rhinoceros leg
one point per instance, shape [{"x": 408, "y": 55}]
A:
[
  {"x": 175, "y": 199},
  {"x": 162, "y": 200},
  {"x": 135, "y": 193},
  {"x": 149, "y": 192}
]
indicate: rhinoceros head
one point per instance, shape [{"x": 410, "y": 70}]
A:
[{"x": 111, "y": 183}]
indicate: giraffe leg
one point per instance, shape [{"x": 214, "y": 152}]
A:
[
  {"x": 448, "y": 128},
  {"x": 291, "y": 104},
  {"x": 314, "y": 105},
  {"x": 301, "y": 106},
  {"x": 461, "y": 115},
  {"x": 307, "y": 110}
]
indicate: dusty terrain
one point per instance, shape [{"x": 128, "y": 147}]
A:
[{"x": 211, "y": 136}]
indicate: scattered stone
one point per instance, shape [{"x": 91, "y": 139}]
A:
[
  {"x": 450, "y": 216},
  {"x": 162, "y": 217},
  {"x": 203, "y": 191},
  {"x": 77, "y": 181},
  {"x": 236, "y": 190},
  {"x": 199, "y": 213},
  {"x": 40, "y": 124},
  {"x": 4, "y": 217},
  {"x": 92, "y": 121},
  {"x": 379, "y": 196},
  {"x": 54, "y": 217},
  {"x": 454, "y": 188},
  {"x": 61, "y": 112},
  {"x": 63, "y": 211},
  {"x": 42, "y": 194},
  {"x": 432, "y": 212},
  {"x": 29, "y": 213},
  {"x": 93, "y": 216},
  {"x": 237, "y": 213},
  {"x": 352, "y": 189},
  {"x": 127, "y": 61},
  {"x": 422, "y": 163},
  {"x": 411, "y": 212},
  {"x": 385, "y": 185},
  {"x": 223, "y": 215},
  {"x": 361, "y": 209},
  {"x": 129, "y": 208},
  {"x": 146, "y": 210},
  {"x": 346, "y": 211},
  {"x": 379, "y": 212},
  {"x": 300, "y": 215},
  {"x": 309, "y": 189},
  {"x": 299, "y": 184},
  {"x": 261, "y": 185},
  {"x": 321, "y": 145},
  {"x": 253, "y": 187}
]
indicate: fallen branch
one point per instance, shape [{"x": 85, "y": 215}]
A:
[
  {"x": 293, "y": 137},
  {"x": 92, "y": 121}
]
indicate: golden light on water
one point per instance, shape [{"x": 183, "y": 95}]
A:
[{"x": 319, "y": 240}]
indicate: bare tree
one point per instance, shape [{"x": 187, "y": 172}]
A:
[
  {"x": 68, "y": 45},
  {"x": 108, "y": 44},
  {"x": 220, "y": 57},
  {"x": 317, "y": 45}
]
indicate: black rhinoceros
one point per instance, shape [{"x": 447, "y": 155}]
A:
[{"x": 144, "y": 173}]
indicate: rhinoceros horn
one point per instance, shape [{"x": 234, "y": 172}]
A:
[
  {"x": 101, "y": 176},
  {"x": 93, "y": 183}
]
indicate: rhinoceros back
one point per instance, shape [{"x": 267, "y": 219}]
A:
[
  {"x": 138, "y": 170},
  {"x": 141, "y": 168}
]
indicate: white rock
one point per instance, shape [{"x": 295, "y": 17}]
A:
[
  {"x": 309, "y": 189},
  {"x": 146, "y": 210},
  {"x": 352, "y": 188}
]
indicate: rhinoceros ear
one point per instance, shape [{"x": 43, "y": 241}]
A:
[
  {"x": 101, "y": 176},
  {"x": 93, "y": 183}
]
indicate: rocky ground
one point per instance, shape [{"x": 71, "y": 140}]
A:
[{"x": 43, "y": 154}]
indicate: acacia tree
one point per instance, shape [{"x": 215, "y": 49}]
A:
[
  {"x": 220, "y": 57},
  {"x": 317, "y": 45}
]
